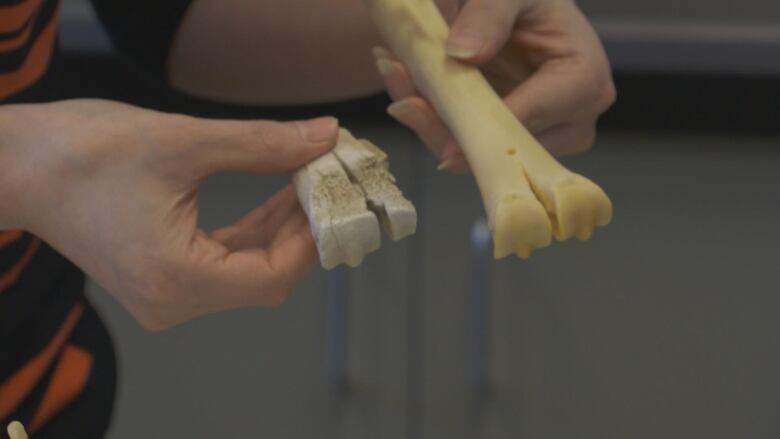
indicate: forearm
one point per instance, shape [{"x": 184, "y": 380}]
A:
[
  {"x": 276, "y": 51},
  {"x": 12, "y": 169}
]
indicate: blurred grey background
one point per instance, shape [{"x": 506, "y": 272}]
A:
[{"x": 664, "y": 325}]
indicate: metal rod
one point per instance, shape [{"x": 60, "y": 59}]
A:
[
  {"x": 336, "y": 347},
  {"x": 480, "y": 287}
]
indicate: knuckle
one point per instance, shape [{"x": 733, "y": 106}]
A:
[
  {"x": 606, "y": 95},
  {"x": 609, "y": 94},
  {"x": 586, "y": 140},
  {"x": 272, "y": 138},
  {"x": 277, "y": 297}
]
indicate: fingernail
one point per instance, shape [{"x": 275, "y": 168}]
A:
[
  {"x": 464, "y": 46},
  {"x": 380, "y": 53},
  {"x": 397, "y": 109},
  {"x": 446, "y": 165},
  {"x": 319, "y": 129},
  {"x": 384, "y": 66}
]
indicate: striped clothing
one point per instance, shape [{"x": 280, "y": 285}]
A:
[
  {"x": 50, "y": 338},
  {"x": 57, "y": 366}
]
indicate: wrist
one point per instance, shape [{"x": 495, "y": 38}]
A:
[{"x": 8, "y": 184}]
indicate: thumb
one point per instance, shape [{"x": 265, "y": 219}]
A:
[
  {"x": 261, "y": 146},
  {"x": 481, "y": 28}
]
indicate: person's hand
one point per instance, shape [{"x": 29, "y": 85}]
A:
[
  {"x": 541, "y": 55},
  {"x": 115, "y": 189}
]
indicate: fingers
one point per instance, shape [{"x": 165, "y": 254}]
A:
[
  {"x": 560, "y": 105},
  {"x": 258, "y": 146},
  {"x": 569, "y": 139},
  {"x": 417, "y": 114},
  {"x": 561, "y": 91},
  {"x": 293, "y": 251},
  {"x": 271, "y": 248},
  {"x": 265, "y": 277},
  {"x": 257, "y": 228},
  {"x": 570, "y": 87},
  {"x": 414, "y": 112},
  {"x": 399, "y": 84},
  {"x": 572, "y": 81},
  {"x": 255, "y": 262},
  {"x": 482, "y": 28}
]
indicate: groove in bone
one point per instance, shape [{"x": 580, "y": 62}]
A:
[
  {"x": 367, "y": 166},
  {"x": 346, "y": 193}
]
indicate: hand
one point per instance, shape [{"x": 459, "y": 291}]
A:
[
  {"x": 114, "y": 188},
  {"x": 541, "y": 55}
]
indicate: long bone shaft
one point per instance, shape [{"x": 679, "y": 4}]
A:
[{"x": 527, "y": 194}]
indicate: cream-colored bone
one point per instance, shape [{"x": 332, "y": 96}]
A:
[
  {"x": 527, "y": 194},
  {"x": 367, "y": 166},
  {"x": 16, "y": 430},
  {"x": 346, "y": 193}
]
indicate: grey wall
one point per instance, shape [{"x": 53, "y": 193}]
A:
[
  {"x": 664, "y": 325},
  {"x": 767, "y": 11}
]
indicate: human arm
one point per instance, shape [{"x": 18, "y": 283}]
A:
[
  {"x": 251, "y": 52},
  {"x": 281, "y": 52},
  {"x": 543, "y": 56}
]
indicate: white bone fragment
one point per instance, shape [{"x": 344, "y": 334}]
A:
[
  {"x": 368, "y": 167},
  {"x": 344, "y": 229}
]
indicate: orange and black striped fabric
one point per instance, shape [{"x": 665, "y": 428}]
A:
[
  {"x": 57, "y": 365},
  {"x": 28, "y": 44},
  {"x": 51, "y": 342},
  {"x": 53, "y": 348}
]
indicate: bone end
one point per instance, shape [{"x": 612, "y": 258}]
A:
[
  {"x": 348, "y": 240},
  {"x": 344, "y": 230},
  {"x": 16, "y": 430},
  {"x": 520, "y": 226},
  {"x": 579, "y": 206}
]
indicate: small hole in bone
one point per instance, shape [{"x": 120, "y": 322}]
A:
[{"x": 511, "y": 152}]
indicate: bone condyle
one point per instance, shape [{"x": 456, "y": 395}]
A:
[{"x": 346, "y": 194}]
